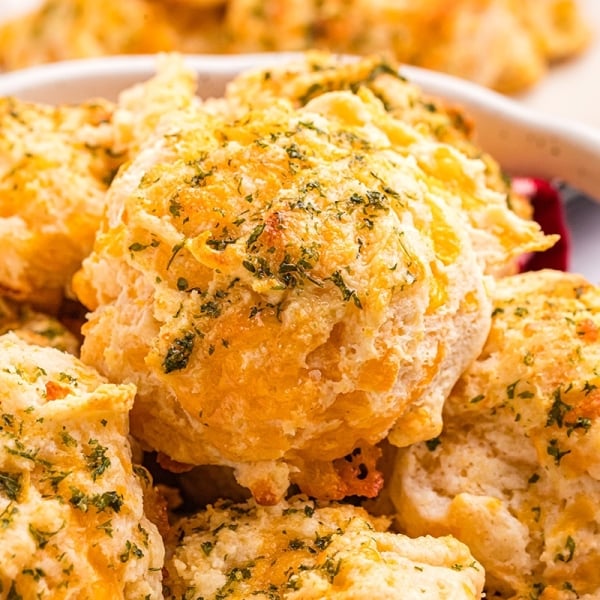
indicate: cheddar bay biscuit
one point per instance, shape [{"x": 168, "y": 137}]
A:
[
  {"x": 71, "y": 504},
  {"x": 35, "y": 327},
  {"x": 514, "y": 473},
  {"x": 300, "y": 550},
  {"x": 289, "y": 284},
  {"x": 466, "y": 38},
  {"x": 55, "y": 165},
  {"x": 431, "y": 117}
]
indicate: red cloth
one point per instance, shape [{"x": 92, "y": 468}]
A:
[{"x": 549, "y": 212}]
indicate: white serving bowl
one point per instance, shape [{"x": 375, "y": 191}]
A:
[{"x": 523, "y": 141}]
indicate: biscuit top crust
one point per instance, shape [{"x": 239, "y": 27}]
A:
[
  {"x": 299, "y": 549},
  {"x": 71, "y": 506}
]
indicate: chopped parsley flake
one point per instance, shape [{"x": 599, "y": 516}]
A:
[
  {"x": 101, "y": 502},
  {"x": 106, "y": 527},
  {"x": 553, "y": 450},
  {"x": 510, "y": 389},
  {"x": 347, "y": 293},
  {"x": 138, "y": 247},
  {"x": 207, "y": 547},
  {"x": 179, "y": 352},
  {"x": 97, "y": 461},
  {"x": 558, "y": 410},
  {"x": 42, "y": 537},
  {"x": 433, "y": 443},
  {"x": 570, "y": 551},
  {"x": 36, "y": 573},
  {"x": 10, "y": 484},
  {"x": 580, "y": 423},
  {"x": 131, "y": 550},
  {"x": 67, "y": 439},
  {"x": 255, "y": 234},
  {"x": 174, "y": 252}
]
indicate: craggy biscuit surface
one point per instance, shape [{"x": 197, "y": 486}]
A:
[
  {"x": 292, "y": 284},
  {"x": 71, "y": 505},
  {"x": 515, "y": 474},
  {"x": 298, "y": 550},
  {"x": 432, "y": 117},
  {"x": 464, "y": 37},
  {"x": 55, "y": 165}
]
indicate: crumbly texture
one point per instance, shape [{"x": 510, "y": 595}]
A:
[
  {"x": 515, "y": 474},
  {"x": 319, "y": 72},
  {"x": 71, "y": 505},
  {"x": 60, "y": 30},
  {"x": 298, "y": 550},
  {"x": 36, "y": 328},
  {"x": 67, "y": 29},
  {"x": 322, "y": 254},
  {"x": 466, "y": 38},
  {"x": 434, "y": 118},
  {"x": 55, "y": 165},
  {"x": 141, "y": 107}
]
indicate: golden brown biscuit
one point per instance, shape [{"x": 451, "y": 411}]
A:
[
  {"x": 298, "y": 550},
  {"x": 65, "y": 29},
  {"x": 71, "y": 505},
  {"x": 141, "y": 106},
  {"x": 435, "y": 118},
  {"x": 293, "y": 284},
  {"x": 556, "y": 26},
  {"x": 55, "y": 166},
  {"x": 515, "y": 473}
]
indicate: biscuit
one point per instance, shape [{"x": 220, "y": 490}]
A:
[
  {"x": 36, "y": 328},
  {"x": 71, "y": 503},
  {"x": 466, "y": 38},
  {"x": 292, "y": 284},
  {"x": 298, "y": 549},
  {"x": 55, "y": 165},
  {"x": 514, "y": 474}
]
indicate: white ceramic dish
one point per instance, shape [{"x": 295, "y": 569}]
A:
[{"x": 524, "y": 141}]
